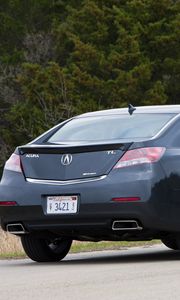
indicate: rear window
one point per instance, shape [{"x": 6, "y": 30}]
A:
[{"x": 111, "y": 127}]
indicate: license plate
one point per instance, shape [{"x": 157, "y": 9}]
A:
[{"x": 62, "y": 204}]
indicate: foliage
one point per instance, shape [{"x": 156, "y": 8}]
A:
[{"x": 60, "y": 58}]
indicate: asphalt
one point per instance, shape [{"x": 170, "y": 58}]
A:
[{"x": 151, "y": 273}]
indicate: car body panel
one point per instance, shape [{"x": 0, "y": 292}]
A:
[
  {"x": 157, "y": 185},
  {"x": 71, "y": 162}
]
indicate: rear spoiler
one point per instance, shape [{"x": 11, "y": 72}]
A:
[{"x": 72, "y": 148}]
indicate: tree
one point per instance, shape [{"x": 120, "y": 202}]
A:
[{"x": 60, "y": 58}]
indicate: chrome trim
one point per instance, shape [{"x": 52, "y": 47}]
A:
[
  {"x": 138, "y": 227},
  {"x": 64, "y": 182},
  {"x": 66, "y": 159},
  {"x": 22, "y": 231}
]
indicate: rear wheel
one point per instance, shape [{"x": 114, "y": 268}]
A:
[
  {"x": 172, "y": 243},
  {"x": 42, "y": 250}
]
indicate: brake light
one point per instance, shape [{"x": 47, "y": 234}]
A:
[
  {"x": 13, "y": 163},
  {"x": 140, "y": 156}
]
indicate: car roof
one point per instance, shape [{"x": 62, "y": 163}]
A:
[{"x": 174, "y": 109}]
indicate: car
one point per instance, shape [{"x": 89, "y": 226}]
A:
[{"x": 105, "y": 175}]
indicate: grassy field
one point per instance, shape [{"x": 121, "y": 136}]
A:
[{"x": 10, "y": 246}]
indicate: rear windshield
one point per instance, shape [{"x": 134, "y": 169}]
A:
[{"x": 111, "y": 127}]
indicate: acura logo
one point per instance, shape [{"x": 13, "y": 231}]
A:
[{"x": 66, "y": 159}]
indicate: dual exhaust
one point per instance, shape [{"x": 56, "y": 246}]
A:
[
  {"x": 126, "y": 225},
  {"x": 17, "y": 228}
]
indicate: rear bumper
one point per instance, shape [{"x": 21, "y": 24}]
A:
[
  {"x": 96, "y": 211},
  {"x": 91, "y": 223}
]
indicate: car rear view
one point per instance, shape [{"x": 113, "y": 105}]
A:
[{"x": 98, "y": 176}]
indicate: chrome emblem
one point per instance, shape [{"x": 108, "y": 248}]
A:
[{"x": 66, "y": 159}]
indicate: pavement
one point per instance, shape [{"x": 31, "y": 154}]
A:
[{"x": 149, "y": 273}]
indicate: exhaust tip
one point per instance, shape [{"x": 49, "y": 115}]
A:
[
  {"x": 126, "y": 225},
  {"x": 17, "y": 228}
]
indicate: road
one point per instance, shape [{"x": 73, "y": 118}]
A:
[{"x": 151, "y": 273}]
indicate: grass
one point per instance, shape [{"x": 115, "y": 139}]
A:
[
  {"x": 10, "y": 246},
  {"x": 89, "y": 246}
]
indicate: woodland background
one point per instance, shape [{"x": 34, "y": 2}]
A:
[{"x": 61, "y": 58}]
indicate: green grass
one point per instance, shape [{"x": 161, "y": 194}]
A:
[
  {"x": 89, "y": 246},
  {"x": 79, "y": 247},
  {"x": 13, "y": 255}
]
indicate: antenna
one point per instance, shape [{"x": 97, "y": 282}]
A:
[{"x": 131, "y": 109}]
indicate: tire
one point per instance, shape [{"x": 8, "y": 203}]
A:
[
  {"x": 171, "y": 243},
  {"x": 42, "y": 250}
]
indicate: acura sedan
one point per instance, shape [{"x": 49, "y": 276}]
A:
[{"x": 107, "y": 175}]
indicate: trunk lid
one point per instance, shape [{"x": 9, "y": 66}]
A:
[{"x": 70, "y": 161}]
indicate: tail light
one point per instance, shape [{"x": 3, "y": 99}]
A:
[
  {"x": 13, "y": 163},
  {"x": 140, "y": 156}
]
